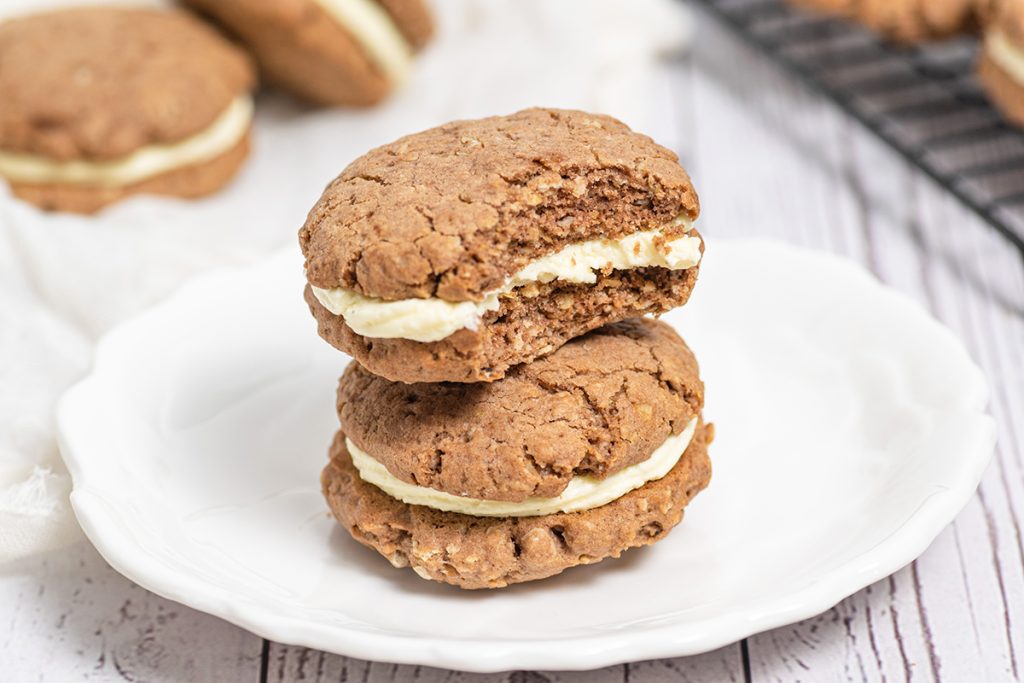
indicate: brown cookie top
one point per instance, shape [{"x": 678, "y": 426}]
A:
[
  {"x": 600, "y": 403},
  {"x": 523, "y": 328},
  {"x": 452, "y": 211},
  {"x": 101, "y": 82}
]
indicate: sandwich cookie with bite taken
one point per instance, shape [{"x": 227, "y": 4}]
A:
[
  {"x": 100, "y": 103},
  {"x": 329, "y": 52},
  {"x": 460, "y": 252},
  {"x": 590, "y": 451},
  {"x": 1001, "y": 61}
]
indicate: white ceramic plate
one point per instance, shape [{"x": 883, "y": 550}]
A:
[{"x": 851, "y": 429}]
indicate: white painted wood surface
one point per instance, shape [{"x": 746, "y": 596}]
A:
[{"x": 768, "y": 159}]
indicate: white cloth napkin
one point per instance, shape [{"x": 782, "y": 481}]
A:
[{"x": 65, "y": 280}]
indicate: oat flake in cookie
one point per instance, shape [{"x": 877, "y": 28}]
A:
[
  {"x": 460, "y": 252},
  {"x": 579, "y": 456},
  {"x": 100, "y": 103},
  {"x": 329, "y": 52}
]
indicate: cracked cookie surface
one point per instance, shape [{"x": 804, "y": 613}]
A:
[
  {"x": 452, "y": 211},
  {"x": 602, "y": 402},
  {"x": 486, "y": 552}
]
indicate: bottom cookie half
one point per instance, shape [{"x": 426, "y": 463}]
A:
[{"x": 484, "y": 552}]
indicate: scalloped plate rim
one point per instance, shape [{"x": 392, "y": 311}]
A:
[{"x": 588, "y": 651}]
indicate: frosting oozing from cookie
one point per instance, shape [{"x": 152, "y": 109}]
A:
[
  {"x": 433, "y": 319},
  {"x": 146, "y": 162},
  {"x": 582, "y": 492},
  {"x": 374, "y": 29}
]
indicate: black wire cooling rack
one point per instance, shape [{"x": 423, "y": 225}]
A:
[{"x": 924, "y": 102}]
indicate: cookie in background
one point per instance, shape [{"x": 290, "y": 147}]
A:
[
  {"x": 904, "y": 21},
  {"x": 100, "y": 103},
  {"x": 588, "y": 452},
  {"x": 328, "y": 52},
  {"x": 1001, "y": 60}
]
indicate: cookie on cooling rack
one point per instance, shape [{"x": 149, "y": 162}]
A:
[{"x": 904, "y": 21}]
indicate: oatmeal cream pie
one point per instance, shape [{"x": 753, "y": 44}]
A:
[
  {"x": 329, "y": 52},
  {"x": 905, "y": 21},
  {"x": 462, "y": 251},
  {"x": 576, "y": 457},
  {"x": 99, "y": 103},
  {"x": 1001, "y": 61}
]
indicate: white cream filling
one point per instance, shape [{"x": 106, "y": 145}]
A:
[
  {"x": 375, "y": 30},
  {"x": 428, "y": 320},
  {"x": 146, "y": 162},
  {"x": 582, "y": 492},
  {"x": 1008, "y": 56}
]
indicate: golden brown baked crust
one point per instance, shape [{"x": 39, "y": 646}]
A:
[
  {"x": 98, "y": 83},
  {"x": 522, "y": 329},
  {"x": 303, "y": 50},
  {"x": 482, "y": 552},
  {"x": 197, "y": 180},
  {"x": 452, "y": 211},
  {"x": 600, "y": 403}
]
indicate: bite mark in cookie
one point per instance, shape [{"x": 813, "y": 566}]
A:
[
  {"x": 433, "y": 319},
  {"x": 434, "y": 257}
]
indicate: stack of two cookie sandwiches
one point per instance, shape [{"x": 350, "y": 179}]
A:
[{"x": 510, "y": 412}]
